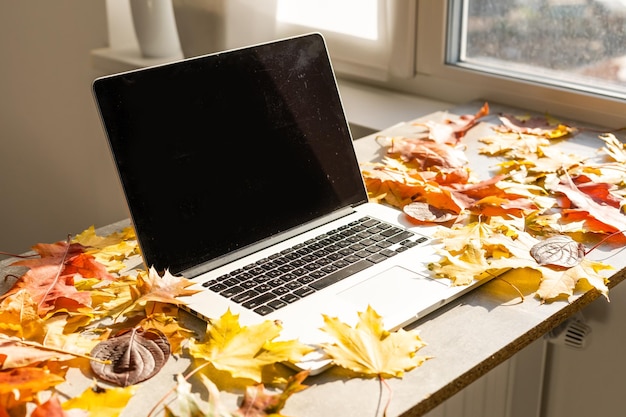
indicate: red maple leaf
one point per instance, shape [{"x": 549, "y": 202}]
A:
[{"x": 50, "y": 278}]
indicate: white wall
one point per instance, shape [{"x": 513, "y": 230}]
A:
[
  {"x": 590, "y": 382},
  {"x": 56, "y": 175}
]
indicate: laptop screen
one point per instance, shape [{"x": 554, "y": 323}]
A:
[{"x": 220, "y": 152}]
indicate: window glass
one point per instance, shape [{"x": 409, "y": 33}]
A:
[{"x": 578, "y": 44}]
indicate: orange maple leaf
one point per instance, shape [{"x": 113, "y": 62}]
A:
[
  {"x": 164, "y": 289},
  {"x": 20, "y": 385},
  {"x": 452, "y": 131}
]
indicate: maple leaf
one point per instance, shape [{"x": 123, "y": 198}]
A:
[
  {"x": 605, "y": 214},
  {"x": 452, "y": 131},
  {"x": 101, "y": 402},
  {"x": 165, "y": 320},
  {"x": 53, "y": 408},
  {"x": 191, "y": 404},
  {"x": 164, "y": 289},
  {"x": 110, "y": 250},
  {"x": 481, "y": 249},
  {"x": 50, "y": 289},
  {"x": 257, "y": 402},
  {"x": 514, "y": 145},
  {"x": 547, "y": 126},
  {"x": 50, "y": 278},
  {"x": 19, "y": 353},
  {"x": 393, "y": 182},
  {"x": 427, "y": 154},
  {"x": 19, "y": 316},
  {"x": 371, "y": 350},
  {"x": 558, "y": 283},
  {"x": 614, "y": 148},
  {"x": 21, "y": 385},
  {"x": 245, "y": 352}
]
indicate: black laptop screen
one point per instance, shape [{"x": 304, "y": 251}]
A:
[{"x": 220, "y": 152}]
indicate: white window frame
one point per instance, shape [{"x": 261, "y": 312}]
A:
[
  {"x": 392, "y": 55},
  {"x": 434, "y": 78}
]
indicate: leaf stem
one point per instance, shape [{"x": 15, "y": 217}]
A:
[
  {"x": 167, "y": 394},
  {"x": 14, "y": 255},
  {"x": 384, "y": 382},
  {"x": 604, "y": 240},
  {"x": 517, "y": 290},
  {"x": 59, "y": 350},
  {"x": 58, "y": 275}
]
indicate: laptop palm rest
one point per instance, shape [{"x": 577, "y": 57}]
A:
[{"x": 393, "y": 292}]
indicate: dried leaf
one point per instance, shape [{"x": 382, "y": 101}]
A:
[
  {"x": 50, "y": 279},
  {"x": 19, "y": 318},
  {"x": 15, "y": 354},
  {"x": 424, "y": 212},
  {"x": 53, "y": 408},
  {"x": 555, "y": 283},
  {"x": 539, "y": 126},
  {"x": 559, "y": 251},
  {"x": 191, "y": 404},
  {"x": 164, "y": 289},
  {"x": 21, "y": 385},
  {"x": 101, "y": 402},
  {"x": 451, "y": 131},
  {"x": 369, "y": 349},
  {"x": 245, "y": 352},
  {"x": 109, "y": 250},
  {"x": 257, "y": 402},
  {"x": 606, "y": 214},
  {"x": 135, "y": 355}
]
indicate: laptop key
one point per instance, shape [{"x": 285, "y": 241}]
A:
[
  {"x": 217, "y": 287},
  {"x": 289, "y": 298},
  {"x": 400, "y": 237},
  {"x": 304, "y": 291},
  {"x": 229, "y": 292},
  {"x": 263, "y": 310},
  {"x": 377, "y": 257},
  {"x": 341, "y": 274},
  {"x": 244, "y": 296},
  {"x": 276, "y": 304},
  {"x": 257, "y": 301}
]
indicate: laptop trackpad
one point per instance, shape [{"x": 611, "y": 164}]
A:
[{"x": 394, "y": 291}]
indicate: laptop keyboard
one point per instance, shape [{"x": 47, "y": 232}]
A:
[{"x": 287, "y": 276}]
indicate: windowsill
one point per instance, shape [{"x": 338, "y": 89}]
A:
[
  {"x": 365, "y": 106},
  {"x": 112, "y": 61}
]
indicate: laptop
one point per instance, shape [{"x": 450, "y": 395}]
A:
[{"x": 240, "y": 174}]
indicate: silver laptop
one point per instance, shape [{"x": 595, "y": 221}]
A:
[{"x": 240, "y": 174}]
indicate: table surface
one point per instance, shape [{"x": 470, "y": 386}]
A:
[{"x": 466, "y": 338}]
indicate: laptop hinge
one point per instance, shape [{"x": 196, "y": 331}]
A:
[{"x": 248, "y": 250}]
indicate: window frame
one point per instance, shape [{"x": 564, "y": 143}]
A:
[
  {"x": 436, "y": 78},
  {"x": 392, "y": 54}
]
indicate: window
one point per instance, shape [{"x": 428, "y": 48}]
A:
[
  {"x": 578, "y": 44},
  {"x": 458, "y": 60},
  {"x": 365, "y": 37}
]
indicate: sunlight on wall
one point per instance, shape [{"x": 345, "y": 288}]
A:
[{"x": 351, "y": 17}]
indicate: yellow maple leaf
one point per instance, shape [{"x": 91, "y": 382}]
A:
[
  {"x": 19, "y": 317},
  {"x": 110, "y": 250},
  {"x": 559, "y": 283},
  {"x": 245, "y": 352},
  {"x": 101, "y": 402},
  {"x": 164, "y": 318},
  {"x": 371, "y": 350}
]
